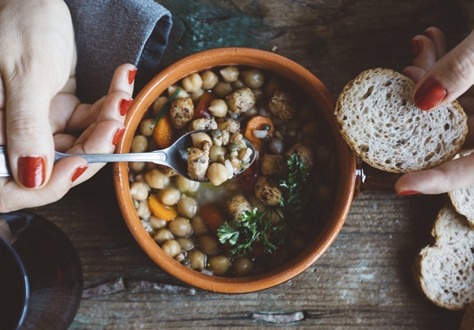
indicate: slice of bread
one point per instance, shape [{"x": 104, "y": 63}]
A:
[
  {"x": 445, "y": 271},
  {"x": 382, "y": 125},
  {"x": 463, "y": 199}
]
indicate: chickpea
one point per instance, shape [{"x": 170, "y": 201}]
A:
[
  {"x": 223, "y": 89},
  {"x": 171, "y": 248},
  {"x": 217, "y": 173},
  {"x": 229, "y": 73},
  {"x": 139, "y": 143},
  {"x": 157, "y": 223},
  {"x": 137, "y": 166},
  {"x": 242, "y": 266},
  {"x": 155, "y": 179},
  {"x": 162, "y": 236},
  {"x": 185, "y": 185},
  {"x": 218, "y": 108},
  {"x": 217, "y": 154},
  {"x": 209, "y": 79},
  {"x": 181, "y": 94},
  {"x": 219, "y": 265},
  {"x": 253, "y": 78},
  {"x": 180, "y": 227},
  {"x": 187, "y": 206},
  {"x": 199, "y": 225},
  {"x": 197, "y": 260},
  {"x": 252, "y": 112},
  {"x": 169, "y": 195},
  {"x": 199, "y": 137},
  {"x": 147, "y": 127},
  {"x": 187, "y": 244},
  {"x": 195, "y": 96},
  {"x": 139, "y": 191},
  {"x": 238, "y": 84},
  {"x": 209, "y": 245},
  {"x": 143, "y": 211},
  {"x": 158, "y": 104},
  {"x": 192, "y": 83}
]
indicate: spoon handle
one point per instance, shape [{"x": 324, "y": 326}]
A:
[{"x": 157, "y": 157}]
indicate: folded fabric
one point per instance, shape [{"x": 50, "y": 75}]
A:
[{"x": 111, "y": 32}]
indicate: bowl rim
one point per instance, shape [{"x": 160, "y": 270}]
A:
[{"x": 320, "y": 95}]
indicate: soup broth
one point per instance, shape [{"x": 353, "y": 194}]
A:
[{"x": 235, "y": 225}]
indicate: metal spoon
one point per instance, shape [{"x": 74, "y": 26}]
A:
[{"x": 171, "y": 156}]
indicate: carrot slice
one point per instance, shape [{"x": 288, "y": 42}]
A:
[
  {"x": 163, "y": 132},
  {"x": 202, "y": 108},
  {"x": 161, "y": 210},
  {"x": 212, "y": 215},
  {"x": 258, "y": 123}
]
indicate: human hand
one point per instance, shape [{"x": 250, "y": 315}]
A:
[
  {"x": 102, "y": 127},
  {"x": 37, "y": 63},
  {"x": 442, "y": 77}
]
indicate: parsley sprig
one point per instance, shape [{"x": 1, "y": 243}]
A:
[
  {"x": 293, "y": 185},
  {"x": 256, "y": 226},
  {"x": 251, "y": 228}
]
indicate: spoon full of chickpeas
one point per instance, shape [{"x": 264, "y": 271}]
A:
[{"x": 189, "y": 156}]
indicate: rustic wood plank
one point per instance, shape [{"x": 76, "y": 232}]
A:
[{"x": 364, "y": 279}]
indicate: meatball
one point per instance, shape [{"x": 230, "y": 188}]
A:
[
  {"x": 237, "y": 206},
  {"x": 203, "y": 124},
  {"x": 267, "y": 192},
  {"x": 241, "y": 100},
  {"x": 198, "y": 161},
  {"x": 281, "y": 105},
  {"x": 304, "y": 153},
  {"x": 181, "y": 112},
  {"x": 229, "y": 124}
]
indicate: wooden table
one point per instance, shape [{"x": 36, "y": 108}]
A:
[{"x": 364, "y": 279}]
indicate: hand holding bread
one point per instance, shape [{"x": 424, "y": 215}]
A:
[
  {"x": 411, "y": 123},
  {"x": 452, "y": 72}
]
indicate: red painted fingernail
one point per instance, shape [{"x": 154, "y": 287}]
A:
[
  {"x": 408, "y": 193},
  {"x": 430, "y": 94},
  {"x": 124, "y": 106},
  {"x": 131, "y": 76},
  {"x": 416, "y": 47},
  {"x": 78, "y": 172},
  {"x": 118, "y": 135},
  {"x": 31, "y": 171}
]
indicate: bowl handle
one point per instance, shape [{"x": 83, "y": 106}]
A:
[{"x": 369, "y": 178}]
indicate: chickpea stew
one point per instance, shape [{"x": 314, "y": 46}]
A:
[{"x": 247, "y": 224}]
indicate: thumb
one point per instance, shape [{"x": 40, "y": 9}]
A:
[
  {"x": 28, "y": 132},
  {"x": 448, "y": 78}
]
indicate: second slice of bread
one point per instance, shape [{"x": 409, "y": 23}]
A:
[
  {"x": 444, "y": 271},
  {"x": 463, "y": 198},
  {"x": 380, "y": 122}
]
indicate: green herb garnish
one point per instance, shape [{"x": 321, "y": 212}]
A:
[
  {"x": 257, "y": 226},
  {"x": 166, "y": 106},
  {"x": 294, "y": 185},
  {"x": 251, "y": 228}
]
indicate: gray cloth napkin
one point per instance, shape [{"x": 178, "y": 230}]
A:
[{"x": 111, "y": 32}]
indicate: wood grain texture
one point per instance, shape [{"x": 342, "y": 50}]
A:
[{"x": 364, "y": 279}]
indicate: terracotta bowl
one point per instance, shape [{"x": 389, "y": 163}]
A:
[{"x": 346, "y": 168}]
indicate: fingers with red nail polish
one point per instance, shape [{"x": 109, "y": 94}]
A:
[
  {"x": 430, "y": 94},
  {"x": 31, "y": 171}
]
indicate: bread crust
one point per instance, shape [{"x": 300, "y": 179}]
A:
[
  {"x": 463, "y": 199},
  {"x": 379, "y": 121}
]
